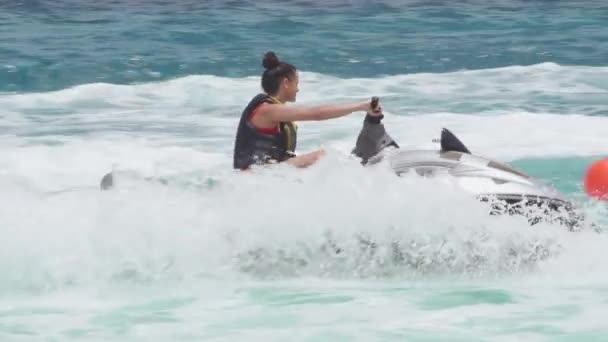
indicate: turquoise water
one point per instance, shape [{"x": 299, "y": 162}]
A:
[{"x": 154, "y": 91}]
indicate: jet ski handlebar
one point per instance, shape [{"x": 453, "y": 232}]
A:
[{"x": 374, "y": 103}]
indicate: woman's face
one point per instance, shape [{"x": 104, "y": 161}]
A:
[{"x": 290, "y": 87}]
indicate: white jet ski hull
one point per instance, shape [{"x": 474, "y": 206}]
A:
[
  {"x": 478, "y": 175},
  {"x": 507, "y": 189}
]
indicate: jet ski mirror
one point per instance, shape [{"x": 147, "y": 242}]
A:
[
  {"x": 449, "y": 142},
  {"x": 372, "y": 138}
]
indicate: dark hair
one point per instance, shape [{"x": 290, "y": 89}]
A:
[{"x": 275, "y": 72}]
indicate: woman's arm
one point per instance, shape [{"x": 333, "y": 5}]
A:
[{"x": 279, "y": 113}]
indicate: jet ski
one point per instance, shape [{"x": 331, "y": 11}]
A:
[{"x": 506, "y": 189}]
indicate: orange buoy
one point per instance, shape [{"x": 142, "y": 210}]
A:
[{"x": 596, "y": 179}]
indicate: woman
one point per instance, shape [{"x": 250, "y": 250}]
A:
[{"x": 266, "y": 132}]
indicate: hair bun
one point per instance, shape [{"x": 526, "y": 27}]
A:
[{"x": 270, "y": 61}]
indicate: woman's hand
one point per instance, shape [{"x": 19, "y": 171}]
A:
[{"x": 373, "y": 111}]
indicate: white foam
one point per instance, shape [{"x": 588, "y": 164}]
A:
[
  {"x": 145, "y": 231},
  {"x": 508, "y": 112},
  {"x": 507, "y": 136}
]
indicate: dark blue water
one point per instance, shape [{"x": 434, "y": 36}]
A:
[{"x": 49, "y": 45}]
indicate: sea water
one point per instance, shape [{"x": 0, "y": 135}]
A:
[{"x": 184, "y": 248}]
